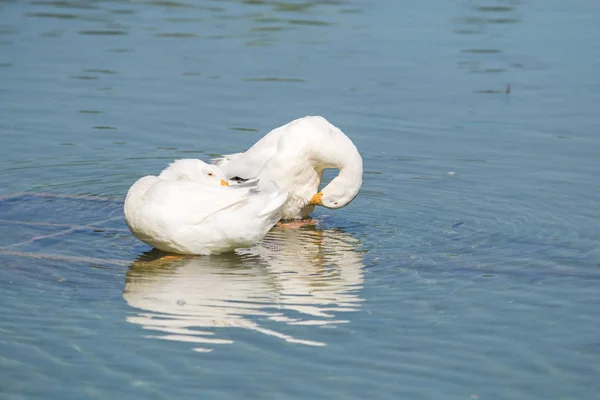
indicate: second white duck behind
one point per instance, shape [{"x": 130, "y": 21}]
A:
[
  {"x": 294, "y": 157},
  {"x": 189, "y": 209}
]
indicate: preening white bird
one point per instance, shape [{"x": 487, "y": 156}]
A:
[
  {"x": 191, "y": 209},
  {"x": 294, "y": 156}
]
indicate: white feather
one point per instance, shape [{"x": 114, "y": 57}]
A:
[
  {"x": 294, "y": 156},
  {"x": 194, "y": 217}
]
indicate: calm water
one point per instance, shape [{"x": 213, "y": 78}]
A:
[{"x": 468, "y": 267}]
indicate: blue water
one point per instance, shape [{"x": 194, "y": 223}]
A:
[{"x": 468, "y": 266}]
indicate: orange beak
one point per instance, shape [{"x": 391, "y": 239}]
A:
[
  {"x": 316, "y": 200},
  {"x": 224, "y": 183}
]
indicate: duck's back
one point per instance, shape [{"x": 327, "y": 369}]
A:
[{"x": 293, "y": 135}]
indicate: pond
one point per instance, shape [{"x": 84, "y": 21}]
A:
[{"x": 467, "y": 267}]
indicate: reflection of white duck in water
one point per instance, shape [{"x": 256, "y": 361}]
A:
[{"x": 297, "y": 277}]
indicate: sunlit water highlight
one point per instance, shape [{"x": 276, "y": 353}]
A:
[{"x": 467, "y": 267}]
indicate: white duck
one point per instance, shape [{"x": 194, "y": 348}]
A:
[
  {"x": 294, "y": 156},
  {"x": 190, "y": 209}
]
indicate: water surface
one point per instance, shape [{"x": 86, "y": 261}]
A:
[{"x": 467, "y": 267}]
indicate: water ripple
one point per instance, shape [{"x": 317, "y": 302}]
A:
[{"x": 302, "y": 276}]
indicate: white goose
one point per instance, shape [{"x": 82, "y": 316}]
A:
[
  {"x": 190, "y": 209},
  {"x": 294, "y": 156}
]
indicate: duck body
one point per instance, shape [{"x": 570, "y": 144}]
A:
[
  {"x": 177, "y": 214},
  {"x": 294, "y": 157}
]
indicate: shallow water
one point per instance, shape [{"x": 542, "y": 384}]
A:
[{"x": 467, "y": 267}]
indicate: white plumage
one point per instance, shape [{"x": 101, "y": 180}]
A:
[
  {"x": 294, "y": 156},
  {"x": 187, "y": 210}
]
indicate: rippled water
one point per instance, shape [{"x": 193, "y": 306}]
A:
[
  {"x": 466, "y": 268},
  {"x": 295, "y": 277}
]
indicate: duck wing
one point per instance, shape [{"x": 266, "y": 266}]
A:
[{"x": 190, "y": 203}]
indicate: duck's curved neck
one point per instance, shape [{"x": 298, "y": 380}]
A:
[
  {"x": 314, "y": 142},
  {"x": 343, "y": 155}
]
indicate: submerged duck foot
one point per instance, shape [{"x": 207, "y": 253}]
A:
[
  {"x": 172, "y": 257},
  {"x": 297, "y": 223}
]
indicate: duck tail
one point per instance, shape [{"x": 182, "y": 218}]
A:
[{"x": 221, "y": 161}]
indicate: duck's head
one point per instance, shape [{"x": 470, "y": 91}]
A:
[
  {"x": 193, "y": 170},
  {"x": 339, "y": 193}
]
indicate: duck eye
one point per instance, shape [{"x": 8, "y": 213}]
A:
[{"x": 210, "y": 174}]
